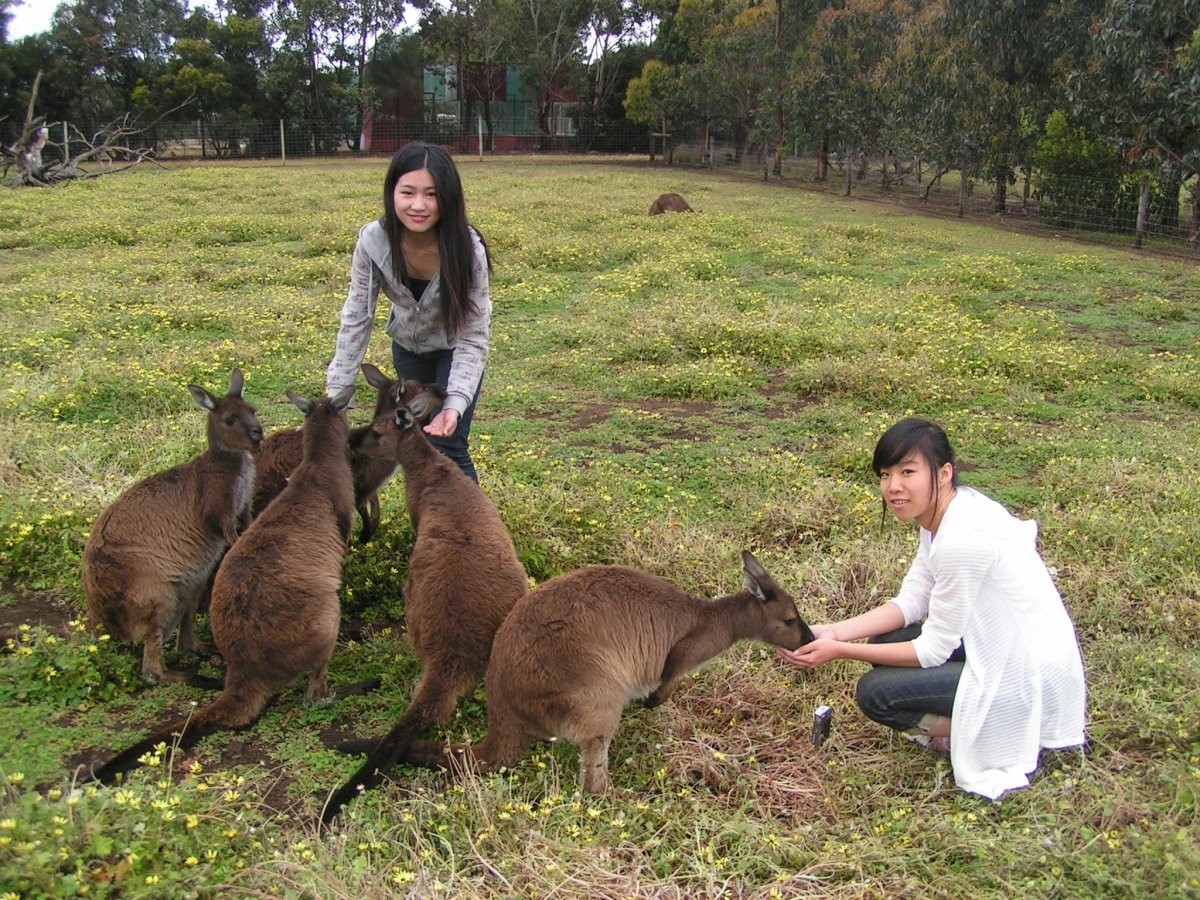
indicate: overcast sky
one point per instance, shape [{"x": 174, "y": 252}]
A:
[
  {"x": 33, "y": 16},
  {"x": 30, "y": 17}
]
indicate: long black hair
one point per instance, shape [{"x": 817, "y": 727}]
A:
[
  {"x": 453, "y": 230},
  {"x": 920, "y": 436}
]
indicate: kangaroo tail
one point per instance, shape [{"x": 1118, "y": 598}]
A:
[
  {"x": 430, "y": 754},
  {"x": 182, "y": 734},
  {"x": 230, "y": 711},
  {"x": 382, "y": 757}
]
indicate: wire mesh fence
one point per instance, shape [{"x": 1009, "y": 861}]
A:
[{"x": 1105, "y": 209}]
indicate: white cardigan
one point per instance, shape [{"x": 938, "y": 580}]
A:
[{"x": 980, "y": 580}]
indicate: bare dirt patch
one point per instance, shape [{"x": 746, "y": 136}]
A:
[{"x": 45, "y": 608}]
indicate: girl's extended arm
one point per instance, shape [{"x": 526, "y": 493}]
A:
[
  {"x": 879, "y": 620},
  {"x": 834, "y": 641},
  {"x": 356, "y": 320}
]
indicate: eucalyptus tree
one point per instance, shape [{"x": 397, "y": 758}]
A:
[
  {"x": 475, "y": 35},
  {"x": 792, "y": 21},
  {"x": 103, "y": 49},
  {"x": 355, "y": 34},
  {"x": 305, "y": 47},
  {"x": 842, "y": 71},
  {"x": 242, "y": 40},
  {"x": 942, "y": 93},
  {"x": 546, "y": 43},
  {"x": 1140, "y": 90},
  {"x": 324, "y": 45},
  {"x": 1018, "y": 45},
  {"x": 657, "y": 94},
  {"x": 613, "y": 28},
  {"x": 725, "y": 68}
]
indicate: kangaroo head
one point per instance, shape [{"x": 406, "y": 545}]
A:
[
  {"x": 390, "y": 393},
  {"x": 333, "y": 406},
  {"x": 422, "y": 400},
  {"x": 232, "y": 422},
  {"x": 782, "y": 624},
  {"x": 415, "y": 405},
  {"x": 382, "y": 439}
]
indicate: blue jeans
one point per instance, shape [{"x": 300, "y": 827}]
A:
[
  {"x": 899, "y": 696},
  {"x": 434, "y": 368}
]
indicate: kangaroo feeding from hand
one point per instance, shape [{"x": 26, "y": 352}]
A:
[
  {"x": 575, "y": 650},
  {"x": 463, "y": 578}
]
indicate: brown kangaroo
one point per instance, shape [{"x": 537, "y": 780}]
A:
[
  {"x": 149, "y": 560},
  {"x": 275, "y": 606},
  {"x": 463, "y": 578},
  {"x": 579, "y": 647},
  {"x": 282, "y": 451},
  {"x": 669, "y": 203}
]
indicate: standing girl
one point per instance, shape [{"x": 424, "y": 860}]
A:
[
  {"x": 433, "y": 266},
  {"x": 976, "y": 654}
]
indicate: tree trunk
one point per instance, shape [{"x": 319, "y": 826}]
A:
[
  {"x": 962, "y": 190},
  {"x": 1172, "y": 183},
  {"x": 1000, "y": 197}
]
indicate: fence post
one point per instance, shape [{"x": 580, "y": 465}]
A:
[
  {"x": 66, "y": 143},
  {"x": 479, "y": 128},
  {"x": 1143, "y": 209},
  {"x": 282, "y": 145}
]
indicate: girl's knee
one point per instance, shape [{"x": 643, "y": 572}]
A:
[{"x": 869, "y": 696}]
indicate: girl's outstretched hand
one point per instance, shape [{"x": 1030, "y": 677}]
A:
[
  {"x": 443, "y": 424},
  {"x": 815, "y": 653}
]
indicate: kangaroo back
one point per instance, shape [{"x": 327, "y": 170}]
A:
[
  {"x": 151, "y": 554},
  {"x": 576, "y": 650},
  {"x": 275, "y": 595}
]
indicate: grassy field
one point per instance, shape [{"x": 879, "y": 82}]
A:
[{"x": 663, "y": 392}]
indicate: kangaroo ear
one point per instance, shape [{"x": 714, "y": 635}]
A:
[
  {"x": 203, "y": 398},
  {"x": 423, "y": 405},
  {"x": 375, "y": 378},
  {"x": 755, "y": 576},
  {"x": 299, "y": 402},
  {"x": 236, "y": 383},
  {"x": 343, "y": 398}
]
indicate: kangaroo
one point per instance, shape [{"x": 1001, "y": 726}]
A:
[
  {"x": 149, "y": 560},
  {"x": 463, "y": 578},
  {"x": 579, "y": 647},
  {"x": 275, "y": 606},
  {"x": 669, "y": 203},
  {"x": 282, "y": 451}
]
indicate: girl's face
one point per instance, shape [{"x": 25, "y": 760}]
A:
[
  {"x": 415, "y": 197},
  {"x": 908, "y": 490}
]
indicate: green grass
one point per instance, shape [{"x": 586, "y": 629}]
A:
[{"x": 663, "y": 392}]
